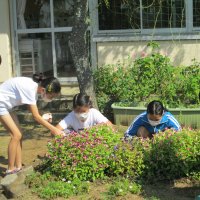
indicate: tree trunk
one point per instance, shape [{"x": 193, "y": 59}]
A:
[{"x": 79, "y": 43}]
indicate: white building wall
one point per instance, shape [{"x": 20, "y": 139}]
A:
[
  {"x": 181, "y": 52},
  {"x": 5, "y": 41}
]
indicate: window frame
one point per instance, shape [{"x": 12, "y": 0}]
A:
[
  {"x": 146, "y": 34},
  {"x": 52, "y": 30}
]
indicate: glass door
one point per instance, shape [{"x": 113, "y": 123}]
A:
[{"x": 43, "y": 29}]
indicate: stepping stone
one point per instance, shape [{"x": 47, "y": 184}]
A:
[
  {"x": 13, "y": 185},
  {"x": 2, "y": 197}
]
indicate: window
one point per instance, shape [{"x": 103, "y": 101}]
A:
[
  {"x": 196, "y": 13},
  {"x": 43, "y": 30},
  {"x": 118, "y": 15},
  {"x": 145, "y": 16},
  {"x": 163, "y": 14}
]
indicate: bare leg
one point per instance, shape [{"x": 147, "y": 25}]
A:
[
  {"x": 16, "y": 135},
  {"x": 18, "y": 159},
  {"x": 143, "y": 132}
]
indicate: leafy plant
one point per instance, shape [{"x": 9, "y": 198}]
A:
[
  {"x": 127, "y": 160},
  {"x": 84, "y": 156},
  {"x": 147, "y": 78},
  {"x": 172, "y": 155},
  {"x": 155, "y": 77},
  {"x": 195, "y": 175},
  {"x": 191, "y": 89},
  {"x": 48, "y": 187},
  {"x": 122, "y": 187}
]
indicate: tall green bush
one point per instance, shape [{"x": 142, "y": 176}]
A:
[
  {"x": 191, "y": 88},
  {"x": 155, "y": 76},
  {"x": 147, "y": 78}
]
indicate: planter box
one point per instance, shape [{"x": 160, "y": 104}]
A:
[{"x": 186, "y": 116}]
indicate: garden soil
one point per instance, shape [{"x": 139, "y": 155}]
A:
[{"x": 35, "y": 140}]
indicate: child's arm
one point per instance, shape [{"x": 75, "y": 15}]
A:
[
  {"x": 34, "y": 110},
  {"x": 59, "y": 127}
]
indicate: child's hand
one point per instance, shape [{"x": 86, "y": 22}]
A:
[
  {"x": 57, "y": 132},
  {"x": 47, "y": 117}
]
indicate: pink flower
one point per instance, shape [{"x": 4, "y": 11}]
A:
[
  {"x": 85, "y": 157},
  {"x": 143, "y": 54},
  {"x": 133, "y": 55}
]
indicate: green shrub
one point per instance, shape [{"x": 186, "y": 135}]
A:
[
  {"x": 84, "y": 156},
  {"x": 147, "y": 78},
  {"x": 195, "y": 176},
  {"x": 116, "y": 81},
  {"x": 169, "y": 155},
  {"x": 172, "y": 155},
  {"x": 155, "y": 76},
  {"x": 191, "y": 86},
  {"x": 127, "y": 160}
]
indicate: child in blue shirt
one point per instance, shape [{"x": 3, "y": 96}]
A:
[{"x": 152, "y": 121}]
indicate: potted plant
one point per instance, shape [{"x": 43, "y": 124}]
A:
[{"x": 134, "y": 83}]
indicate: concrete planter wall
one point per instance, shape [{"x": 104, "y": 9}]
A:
[{"x": 186, "y": 116}]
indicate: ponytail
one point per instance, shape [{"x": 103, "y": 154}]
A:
[
  {"x": 51, "y": 84},
  {"x": 82, "y": 99},
  {"x": 38, "y": 77}
]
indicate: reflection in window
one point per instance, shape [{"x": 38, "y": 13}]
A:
[
  {"x": 63, "y": 13},
  {"x": 118, "y": 15},
  {"x": 125, "y": 14},
  {"x": 196, "y": 13},
  {"x": 35, "y": 54},
  {"x": 33, "y": 14},
  {"x": 65, "y": 67},
  {"x": 163, "y": 14}
]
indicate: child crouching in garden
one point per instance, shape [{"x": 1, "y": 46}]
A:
[
  {"x": 83, "y": 115},
  {"x": 156, "y": 119}
]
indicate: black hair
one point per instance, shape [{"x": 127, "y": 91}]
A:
[
  {"x": 155, "y": 108},
  {"x": 82, "y": 99},
  {"x": 51, "y": 84}
]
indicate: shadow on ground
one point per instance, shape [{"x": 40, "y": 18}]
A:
[{"x": 165, "y": 191}]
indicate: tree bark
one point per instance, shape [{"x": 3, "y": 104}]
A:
[{"x": 79, "y": 44}]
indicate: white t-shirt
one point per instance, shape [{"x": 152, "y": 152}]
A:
[
  {"x": 71, "y": 121},
  {"x": 18, "y": 91}
]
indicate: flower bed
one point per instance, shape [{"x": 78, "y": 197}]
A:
[
  {"x": 84, "y": 156},
  {"x": 101, "y": 153},
  {"x": 98, "y": 153}
]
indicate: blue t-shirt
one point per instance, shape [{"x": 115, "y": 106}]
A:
[{"x": 167, "y": 122}]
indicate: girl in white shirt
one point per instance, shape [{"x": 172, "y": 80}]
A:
[
  {"x": 83, "y": 115},
  {"x": 18, "y": 91}
]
